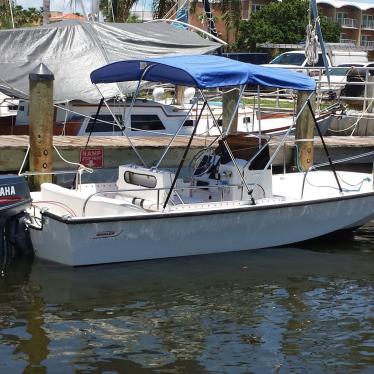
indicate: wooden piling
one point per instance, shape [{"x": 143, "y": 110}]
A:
[
  {"x": 41, "y": 125},
  {"x": 229, "y": 101},
  {"x": 179, "y": 94},
  {"x": 370, "y": 94},
  {"x": 304, "y": 132}
]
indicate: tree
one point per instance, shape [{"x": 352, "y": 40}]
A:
[
  {"x": 281, "y": 22},
  {"x": 120, "y": 9},
  {"x": 22, "y": 17},
  {"x": 232, "y": 14}
]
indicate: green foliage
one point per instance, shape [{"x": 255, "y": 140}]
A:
[
  {"x": 161, "y": 8},
  {"x": 330, "y": 30},
  {"x": 231, "y": 14},
  {"x": 281, "y": 22},
  {"x": 22, "y": 17},
  {"x": 121, "y": 9}
]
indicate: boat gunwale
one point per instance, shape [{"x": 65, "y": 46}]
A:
[{"x": 179, "y": 214}]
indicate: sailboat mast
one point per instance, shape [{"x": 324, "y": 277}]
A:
[{"x": 313, "y": 6}]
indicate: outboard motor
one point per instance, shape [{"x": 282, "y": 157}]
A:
[{"x": 14, "y": 199}]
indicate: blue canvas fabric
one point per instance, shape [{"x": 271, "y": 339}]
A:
[{"x": 201, "y": 71}]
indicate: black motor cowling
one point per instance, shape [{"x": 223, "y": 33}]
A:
[{"x": 14, "y": 200}]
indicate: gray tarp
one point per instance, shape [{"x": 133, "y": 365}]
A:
[{"x": 72, "y": 49}]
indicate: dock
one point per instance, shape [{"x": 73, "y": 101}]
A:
[{"x": 117, "y": 150}]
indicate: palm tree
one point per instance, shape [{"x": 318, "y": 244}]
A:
[{"x": 232, "y": 14}]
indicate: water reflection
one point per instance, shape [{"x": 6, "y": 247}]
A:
[{"x": 266, "y": 311}]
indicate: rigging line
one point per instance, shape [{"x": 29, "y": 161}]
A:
[{"x": 94, "y": 121}]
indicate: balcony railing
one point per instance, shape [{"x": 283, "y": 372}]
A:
[
  {"x": 348, "y": 22},
  {"x": 348, "y": 41},
  {"x": 368, "y": 25},
  {"x": 367, "y": 43}
]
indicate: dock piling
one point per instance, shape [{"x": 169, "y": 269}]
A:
[
  {"x": 229, "y": 101},
  {"x": 41, "y": 125},
  {"x": 304, "y": 133}
]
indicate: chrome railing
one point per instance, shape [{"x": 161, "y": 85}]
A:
[
  {"x": 367, "y": 43},
  {"x": 348, "y": 22},
  {"x": 367, "y": 25},
  {"x": 348, "y": 41}
]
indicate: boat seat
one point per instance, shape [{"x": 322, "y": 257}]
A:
[{"x": 63, "y": 201}]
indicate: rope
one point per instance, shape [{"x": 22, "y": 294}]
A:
[
  {"x": 355, "y": 124},
  {"x": 311, "y": 43}
]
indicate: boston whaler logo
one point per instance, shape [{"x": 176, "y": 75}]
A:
[
  {"x": 107, "y": 234},
  {"x": 7, "y": 191}
]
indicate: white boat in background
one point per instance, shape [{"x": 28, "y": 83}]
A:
[
  {"x": 8, "y": 106},
  {"x": 230, "y": 202},
  {"x": 156, "y": 117}
]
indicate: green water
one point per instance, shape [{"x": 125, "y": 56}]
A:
[{"x": 286, "y": 310}]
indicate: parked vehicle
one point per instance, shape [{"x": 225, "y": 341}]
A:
[{"x": 297, "y": 59}]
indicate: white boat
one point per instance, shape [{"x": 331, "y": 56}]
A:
[
  {"x": 228, "y": 204},
  {"x": 153, "y": 118}
]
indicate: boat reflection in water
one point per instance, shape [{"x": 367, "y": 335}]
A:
[{"x": 266, "y": 310}]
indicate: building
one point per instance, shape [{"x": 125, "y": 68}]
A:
[
  {"x": 248, "y": 7},
  {"x": 355, "y": 17},
  {"x": 56, "y": 16}
]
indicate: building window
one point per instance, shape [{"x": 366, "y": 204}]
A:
[
  {"x": 367, "y": 21},
  {"x": 256, "y": 7},
  {"x": 341, "y": 16},
  {"x": 366, "y": 41}
]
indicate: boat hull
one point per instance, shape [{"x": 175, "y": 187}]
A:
[{"x": 78, "y": 242}]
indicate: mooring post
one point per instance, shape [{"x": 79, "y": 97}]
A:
[
  {"x": 370, "y": 93},
  {"x": 229, "y": 100},
  {"x": 179, "y": 95},
  {"x": 304, "y": 133},
  {"x": 41, "y": 125}
]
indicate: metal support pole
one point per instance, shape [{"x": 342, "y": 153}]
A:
[
  {"x": 324, "y": 146},
  {"x": 121, "y": 127},
  {"x": 249, "y": 190},
  {"x": 259, "y": 116},
  {"x": 183, "y": 158},
  {"x": 174, "y": 136}
]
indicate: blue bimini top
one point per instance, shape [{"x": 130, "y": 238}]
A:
[{"x": 201, "y": 71}]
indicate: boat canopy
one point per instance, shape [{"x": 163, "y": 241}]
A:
[{"x": 201, "y": 71}]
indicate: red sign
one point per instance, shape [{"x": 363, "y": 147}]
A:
[{"x": 92, "y": 157}]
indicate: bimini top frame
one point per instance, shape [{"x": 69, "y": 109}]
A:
[{"x": 201, "y": 71}]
